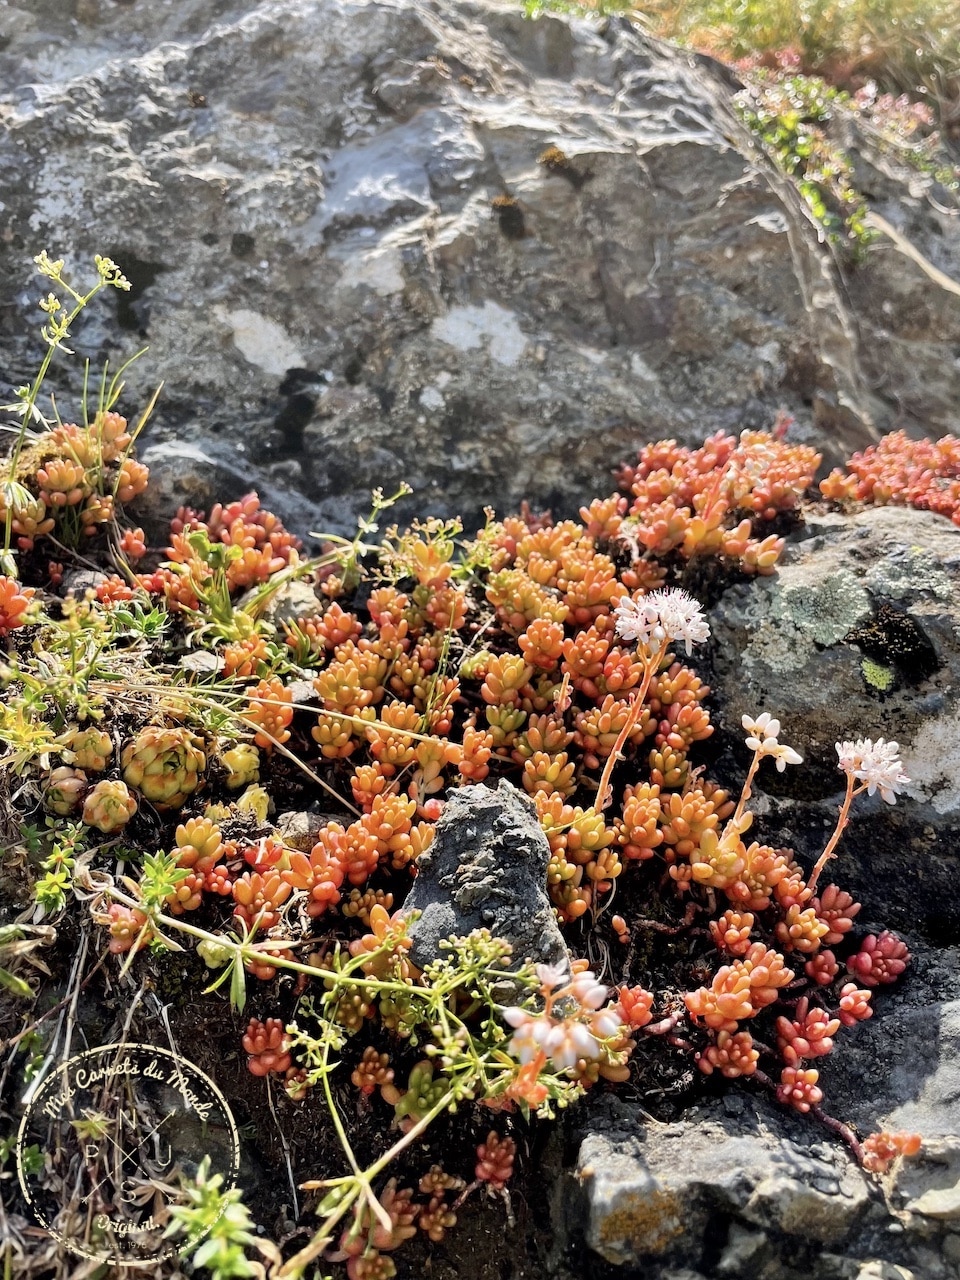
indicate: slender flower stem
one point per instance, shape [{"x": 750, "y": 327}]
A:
[
  {"x": 295, "y": 1266},
  {"x": 31, "y": 399},
  {"x": 747, "y": 791},
  {"x": 410, "y": 1137},
  {"x": 363, "y": 1181},
  {"x": 244, "y": 951},
  {"x": 651, "y": 663},
  {"x": 359, "y": 1183},
  {"x": 842, "y": 820}
]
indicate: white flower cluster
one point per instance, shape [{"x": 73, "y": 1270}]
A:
[
  {"x": 875, "y": 763},
  {"x": 661, "y": 616},
  {"x": 762, "y": 738},
  {"x": 564, "y": 1040}
]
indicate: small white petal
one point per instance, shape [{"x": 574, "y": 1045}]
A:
[
  {"x": 588, "y": 991},
  {"x": 564, "y": 1056},
  {"x": 660, "y": 616},
  {"x": 583, "y": 1042},
  {"x": 875, "y": 763},
  {"x": 516, "y": 1017},
  {"x": 542, "y": 1030},
  {"x": 607, "y": 1022},
  {"x": 553, "y": 975}
]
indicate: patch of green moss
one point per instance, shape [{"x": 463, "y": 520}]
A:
[{"x": 877, "y": 675}]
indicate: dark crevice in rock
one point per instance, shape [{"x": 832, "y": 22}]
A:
[
  {"x": 353, "y": 369},
  {"x": 297, "y": 381},
  {"x": 892, "y": 636},
  {"x": 510, "y": 217},
  {"x": 716, "y": 1234},
  {"x": 387, "y": 397},
  {"x": 291, "y": 421},
  {"x": 242, "y": 244},
  {"x": 301, "y": 389},
  {"x": 132, "y": 314}
]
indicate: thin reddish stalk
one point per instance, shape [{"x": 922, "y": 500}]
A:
[
  {"x": 651, "y": 663},
  {"x": 828, "y": 852}
]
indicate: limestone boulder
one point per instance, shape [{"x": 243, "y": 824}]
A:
[{"x": 384, "y": 240}]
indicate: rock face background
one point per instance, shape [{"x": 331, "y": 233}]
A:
[{"x": 301, "y": 192}]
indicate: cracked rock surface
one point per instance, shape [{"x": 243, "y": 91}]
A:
[
  {"x": 302, "y": 193},
  {"x": 857, "y": 636},
  {"x": 738, "y": 1187}
]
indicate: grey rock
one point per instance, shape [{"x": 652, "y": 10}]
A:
[
  {"x": 930, "y": 1185},
  {"x": 486, "y": 869},
  {"x": 292, "y": 602},
  {"x": 182, "y": 473},
  {"x": 300, "y": 191},
  {"x": 77, "y": 582},
  {"x": 201, "y": 662},
  {"x": 795, "y": 645},
  {"x": 302, "y": 691},
  {"x": 938, "y": 1202},
  {"x": 922, "y": 1044},
  {"x": 857, "y": 635},
  {"x": 651, "y": 1191},
  {"x": 757, "y": 1194},
  {"x": 901, "y": 316},
  {"x": 299, "y": 830},
  {"x": 744, "y": 1249},
  {"x": 201, "y": 474}
]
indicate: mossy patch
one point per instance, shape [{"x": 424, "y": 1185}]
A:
[
  {"x": 648, "y": 1222},
  {"x": 878, "y": 676}
]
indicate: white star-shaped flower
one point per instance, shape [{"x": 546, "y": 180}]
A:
[
  {"x": 762, "y": 735},
  {"x": 875, "y": 763},
  {"x": 660, "y": 616}
]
